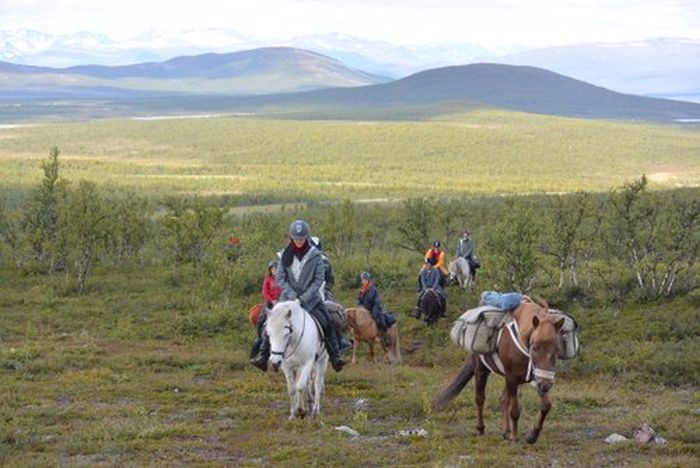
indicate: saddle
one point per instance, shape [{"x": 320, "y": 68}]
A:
[{"x": 476, "y": 330}]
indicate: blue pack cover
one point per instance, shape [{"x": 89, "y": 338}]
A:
[{"x": 503, "y": 301}]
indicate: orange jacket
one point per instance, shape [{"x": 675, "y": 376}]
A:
[{"x": 439, "y": 259}]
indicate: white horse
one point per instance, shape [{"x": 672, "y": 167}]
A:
[
  {"x": 459, "y": 269},
  {"x": 296, "y": 346}
]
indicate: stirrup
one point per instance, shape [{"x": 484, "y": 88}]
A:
[
  {"x": 337, "y": 364},
  {"x": 344, "y": 345}
]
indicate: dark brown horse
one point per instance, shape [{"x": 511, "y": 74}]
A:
[
  {"x": 527, "y": 352},
  {"x": 431, "y": 307}
]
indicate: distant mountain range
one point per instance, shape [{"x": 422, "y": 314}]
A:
[
  {"x": 521, "y": 88},
  {"x": 662, "y": 67},
  {"x": 272, "y": 81},
  {"x": 668, "y": 67},
  {"x": 259, "y": 71}
]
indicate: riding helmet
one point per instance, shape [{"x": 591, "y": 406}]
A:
[
  {"x": 436, "y": 243},
  {"x": 299, "y": 229},
  {"x": 365, "y": 276}
]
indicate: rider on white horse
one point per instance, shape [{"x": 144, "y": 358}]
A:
[
  {"x": 301, "y": 275},
  {"x": 465, "y": 249}
]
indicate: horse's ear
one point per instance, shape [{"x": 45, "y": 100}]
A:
[
  {"x": 289, "y": 313},
  {"x": 535, "y": 321},
  {"x": 559, "y": 323}
]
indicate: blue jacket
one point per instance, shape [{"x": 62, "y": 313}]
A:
[
  {"x": 429, "y": 278},
  {"x": 370, "y": 301}
]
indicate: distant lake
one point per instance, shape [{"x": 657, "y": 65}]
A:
[{"x": 687, "y": 120}]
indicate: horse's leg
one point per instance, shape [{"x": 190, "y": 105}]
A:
[
  {"x": 513, "y": 409},
  {"x": 355, "y": 347},
  {"x": 301, "y": 388},
  {"x": 505, "y": 419},
  {"x": 370, "y": 343},
  {"x": 291, "y": 390},
  {"x": 545, "y": 406},
  {"x": 481, "y": 375},
  {"x": 395, "y": 348},
  {"x": 319, "y": 378}
]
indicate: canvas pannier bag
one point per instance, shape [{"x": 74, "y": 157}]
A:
[
  {"x": 477, "y": 329},
  {"x": 569, "y": 335}
]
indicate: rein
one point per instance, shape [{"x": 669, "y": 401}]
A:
[
  {"x": 291, "y": 331},
  {"x": 532, "y": 371}
]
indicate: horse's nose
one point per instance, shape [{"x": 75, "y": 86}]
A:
[{"x": 544, "y": 386}]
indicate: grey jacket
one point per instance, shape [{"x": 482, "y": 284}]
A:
[
  {"x": 307, "y": 288},
  {"x": 465, "y": 248}
]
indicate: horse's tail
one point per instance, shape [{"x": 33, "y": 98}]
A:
[{"x": 452, "y": 390}]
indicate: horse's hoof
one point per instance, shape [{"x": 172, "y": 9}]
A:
[{"x": 532, "y": 438}]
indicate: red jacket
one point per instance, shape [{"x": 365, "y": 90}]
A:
[{"x": 270, "y": 290}]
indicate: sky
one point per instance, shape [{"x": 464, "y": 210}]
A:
[{"x": 493, "y": 24}]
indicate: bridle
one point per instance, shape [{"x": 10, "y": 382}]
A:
[
  {"x": 289, "y": 327},
  {"x": 532, "y": 371}
]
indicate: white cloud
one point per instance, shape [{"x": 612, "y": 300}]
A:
[{"x": 495, "y": 24}]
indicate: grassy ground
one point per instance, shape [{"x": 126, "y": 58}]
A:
[
  {"x": 267, "y": 161},
  {"x": 119, "y": 377}
]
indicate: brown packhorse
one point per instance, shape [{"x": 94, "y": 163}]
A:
[
  {"x": 527, "y": 352},
  {"x": 365, "y": 329}
]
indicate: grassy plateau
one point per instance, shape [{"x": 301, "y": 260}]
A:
[{"x": 149, "y": 366}]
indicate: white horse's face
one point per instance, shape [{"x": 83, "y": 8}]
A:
[{"x": 279, "y": 330}]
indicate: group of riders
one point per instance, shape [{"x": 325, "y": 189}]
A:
[{"x": 303, "y": 273}]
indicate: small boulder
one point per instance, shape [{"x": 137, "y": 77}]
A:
[{"x": 615, "y": 438}]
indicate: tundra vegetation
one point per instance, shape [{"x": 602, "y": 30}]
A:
[{"x": 123, "y": 308}]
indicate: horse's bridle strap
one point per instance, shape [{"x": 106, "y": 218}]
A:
[
  {"x": 532, "y": 371},
  {"x": 291, "y": 334}
]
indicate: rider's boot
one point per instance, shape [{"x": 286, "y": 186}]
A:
[
  {"x": 260, "y": 361},
  {"x": 416, "y": 311},
  {"x": 332, "y": 346}
]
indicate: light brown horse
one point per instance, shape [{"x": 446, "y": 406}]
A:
[
  {"x": 365, "y": 329},
  {"x": 527, "y": 352}
]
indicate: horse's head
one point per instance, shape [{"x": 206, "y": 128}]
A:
[
  {"x": 544, "y": 348},
  {"x": 280, "y": 330}
]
